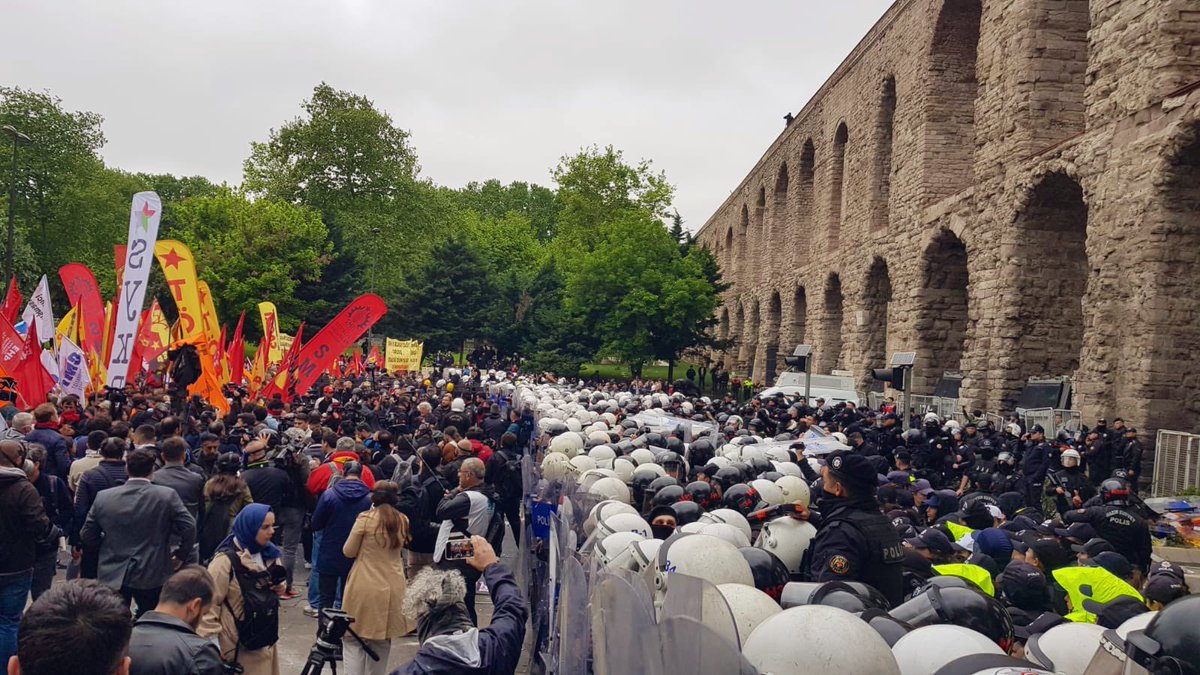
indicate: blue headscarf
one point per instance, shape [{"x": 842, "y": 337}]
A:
[{"x": 245, "y": 529}]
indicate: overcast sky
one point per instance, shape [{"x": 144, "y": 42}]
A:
[{"x": 497, "y": 89}]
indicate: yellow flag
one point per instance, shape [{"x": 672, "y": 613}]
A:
[
  {"x": 270, "y": 322},
  {"x": 179, "y": 268},
  {"x": 66, "y": 327},
  {"x": 208, "y": 311}
]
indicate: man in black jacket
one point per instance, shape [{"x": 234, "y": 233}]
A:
[
  {"x": 23, "y": 525},
  {"x": 165, "y": 641},
  {"x": 189, "y": 484},
  {"x": 56, "y": 498},
  {"x": 431, "y": 488},
  {"x": 494, "y": 425}
]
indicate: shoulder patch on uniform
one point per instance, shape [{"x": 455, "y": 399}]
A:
[{"x": 838, "y": 564}]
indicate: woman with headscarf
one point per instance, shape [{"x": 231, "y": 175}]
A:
[
  {"x": 375, "y": 590},
  {"x": 247, "y": 577}
]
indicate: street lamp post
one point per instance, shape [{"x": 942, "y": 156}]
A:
[{"x": 18, "y": 139}]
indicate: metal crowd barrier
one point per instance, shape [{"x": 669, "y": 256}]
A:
[{"x": 1176, "y": 463}]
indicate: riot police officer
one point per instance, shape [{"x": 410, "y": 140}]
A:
[
  {"x": 855, "y": 541},
  {"x": 1069, "y": 487},
  {"x": 1117, "y": 521},
  {"x": 1035, "y": 465}
]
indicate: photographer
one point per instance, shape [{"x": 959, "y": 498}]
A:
[
  {"x": 23, "y": 527},
  {"x": 449, "y": 642},
  {"x": 247, "y": 575},
  {"x": 471, "y": 509}
]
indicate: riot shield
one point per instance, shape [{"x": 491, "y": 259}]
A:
[
  {"x": 574, "y": 621},
  {"x": 624, "y": 636},
  {"x": 693, "y": 647},
  {"x": 697, "y": 599}
]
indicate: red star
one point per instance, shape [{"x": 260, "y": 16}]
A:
[
  {"x": 146, "y": 212},
  {"x": 171, "y": 259}
]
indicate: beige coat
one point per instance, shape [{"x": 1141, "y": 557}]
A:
[
  {"x": 218, "y": 620},
  {"x": 375, "y": 589}
]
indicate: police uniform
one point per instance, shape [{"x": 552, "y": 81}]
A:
[
  {"x": 1121, "y": 526},
  {"x": 855, "y": 541}
]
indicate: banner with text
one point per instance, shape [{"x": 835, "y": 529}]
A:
[
  {"x": 179, "y": 267},
  {"x": 337, "y": 336},
  {"x": 270, "y": 322},
  {"x": 403, "y": 355},
  {"x": 143, "y": 233},
  {"x": 83, "y": 292}
]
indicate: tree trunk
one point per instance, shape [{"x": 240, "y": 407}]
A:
[{"x": 670, "y": 371}]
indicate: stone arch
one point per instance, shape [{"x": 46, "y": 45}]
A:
[
  {"x": 829, "y": 353},
  {"x": 736, "y": 337},
  {"x": 1174, "y": 304},
  {"x": 951, "y": 89},
  {"x": 1051, "y": 268},
  {"x": 881, "y": 192},
  {"x": 772, "y": 362},
  {"x": 876, "y": 301},
  {"x": 743, "y": 239},
  {"x": 779, "y": 210},
  {"x": 837, "y": 175},
  {"x": 942, "y": 315},
  {"x": 729, "y": 255},
  {"x": 799, "y": 315},
  {"x": 749, "y": 350},
  {"x": 806, "y": 189},
  {"x": 760, "y": 221}
]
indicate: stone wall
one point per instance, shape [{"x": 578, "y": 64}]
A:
[{"x": 1010, "y": 188}]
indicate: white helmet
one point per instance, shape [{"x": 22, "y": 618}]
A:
[
  {"x": 731, "y": 451},
  {"x": 768, "y": 491},
  {"x": 642, "y": 456},
  {"x": 644, "y": 554},
  {"x": 693, "y": 527},
  {"x": 598, "y": 435},
  {"x": 653, "y": 469},
  {"x": 603, "y": 455},
  {"x": 588, "y": 478},
  {"x": 1066, "y": 648},
  {"x": 788, "y": 539},
  {"x": 569, "y": 443},
  {"x": 1070, "y": 454},
  {"x": 729, "y": 533},
  {"x": 583, "y": 463},
  {"x": 795, "y": 490},
  {"x": 816, "y": 638},
  {"x": 573, "y": 424},
  {"x": 609, "y": 419},
  {"x": 778, "y": 453},
  {"x": 750, "y": 608},
  {"x": 610, "y": 487},
  {"x": 729, "y": 517},
  {"x": 788, "y": 469},
  {"x": 623, "y": 468},
  {"x": 925, "y": 650},
  {"x": 841, "y": 438},
  {"x": 622, "y": 522},
  {"x": 720, "y": 461},
  {"x": 751, "y": 453},
  {"x": 556, "y": 466},
  {"x": 706, "y": 557},
  {"x": 608, "y": 507},
  {"x": 612, "y": 551}
]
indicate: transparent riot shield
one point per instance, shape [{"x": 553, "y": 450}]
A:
[
  {"x": 700, "y": 600},
  {"x": 574, "y": 642},
  {"x": 624, "y": 635},
  {"x": 693, "y": 647}
]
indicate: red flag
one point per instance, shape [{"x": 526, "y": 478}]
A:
[
  {"x": 33, "y": 382},
  {"x": 236, "y": 353},
  {"x": 375, "y": 358},
  {"x": 285, "y": 376},
  {"x": 356, "y": 363},
  {"x": 84, "y": 293},
  {"x": 345, "y": 329},
  {"x": 11, "y": 309}
]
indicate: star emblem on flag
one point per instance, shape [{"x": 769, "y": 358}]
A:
[
  {"x": 171, "y": 259},
  {"x": 145, "y": 214}
]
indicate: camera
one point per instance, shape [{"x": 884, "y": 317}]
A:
[{"x": 232, "y": 668}]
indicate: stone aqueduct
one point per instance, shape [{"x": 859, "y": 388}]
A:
[{"x": 1011, "y": 188}]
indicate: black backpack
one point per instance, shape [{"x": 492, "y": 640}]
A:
[
  {"x": 216, "y": 526},
  {"x": 259, "y": 626},
  {"x": 509, "y": 484}
]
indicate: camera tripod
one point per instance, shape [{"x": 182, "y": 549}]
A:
[{"x": 329, "y": 637}]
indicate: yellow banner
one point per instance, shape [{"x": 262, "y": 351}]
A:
[
  {"x": 208, "y": 311},
  {"x": 179, "y": 268},
  {"x": 403, "y": 355},
  {"x": 66, "y": 327},
  {"x": 270, "y": 322},
  {"x": 285, "y": 343}
]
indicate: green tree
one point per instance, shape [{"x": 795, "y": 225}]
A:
[
  {"x": 251, "y": 251},
  {"x": 348, "y": 161},
  {"x": 538, "y": 204},
  {"x": 597, "y": 186},
  {"x": 447, "y": 299}
]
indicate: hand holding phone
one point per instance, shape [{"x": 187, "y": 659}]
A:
[{"x": 458, "y": 547}]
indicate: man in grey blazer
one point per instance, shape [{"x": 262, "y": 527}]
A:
[{"x": 132, "y": 526}]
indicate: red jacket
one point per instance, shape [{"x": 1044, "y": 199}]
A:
[
  {"x": 483, "y": 452},
  {"x": 318, "y": 480}
]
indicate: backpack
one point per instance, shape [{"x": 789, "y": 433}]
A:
[
  {"x": 259, "y": 626},
  {"x": 509, "y": 483},
  {"x": 217, "y": 525},
  {"x": 335, "y": 475}
]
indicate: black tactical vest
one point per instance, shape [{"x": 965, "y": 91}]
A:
[{"x": 883, "y": 568}]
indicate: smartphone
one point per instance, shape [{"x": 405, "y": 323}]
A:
[{"x": 458, "y": 547}]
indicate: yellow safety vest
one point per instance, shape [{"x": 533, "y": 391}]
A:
[
  {"x": 1091, "y": 585},
  {"x": 972, "y": 573},
  {"x": 959, "y": 531}
]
